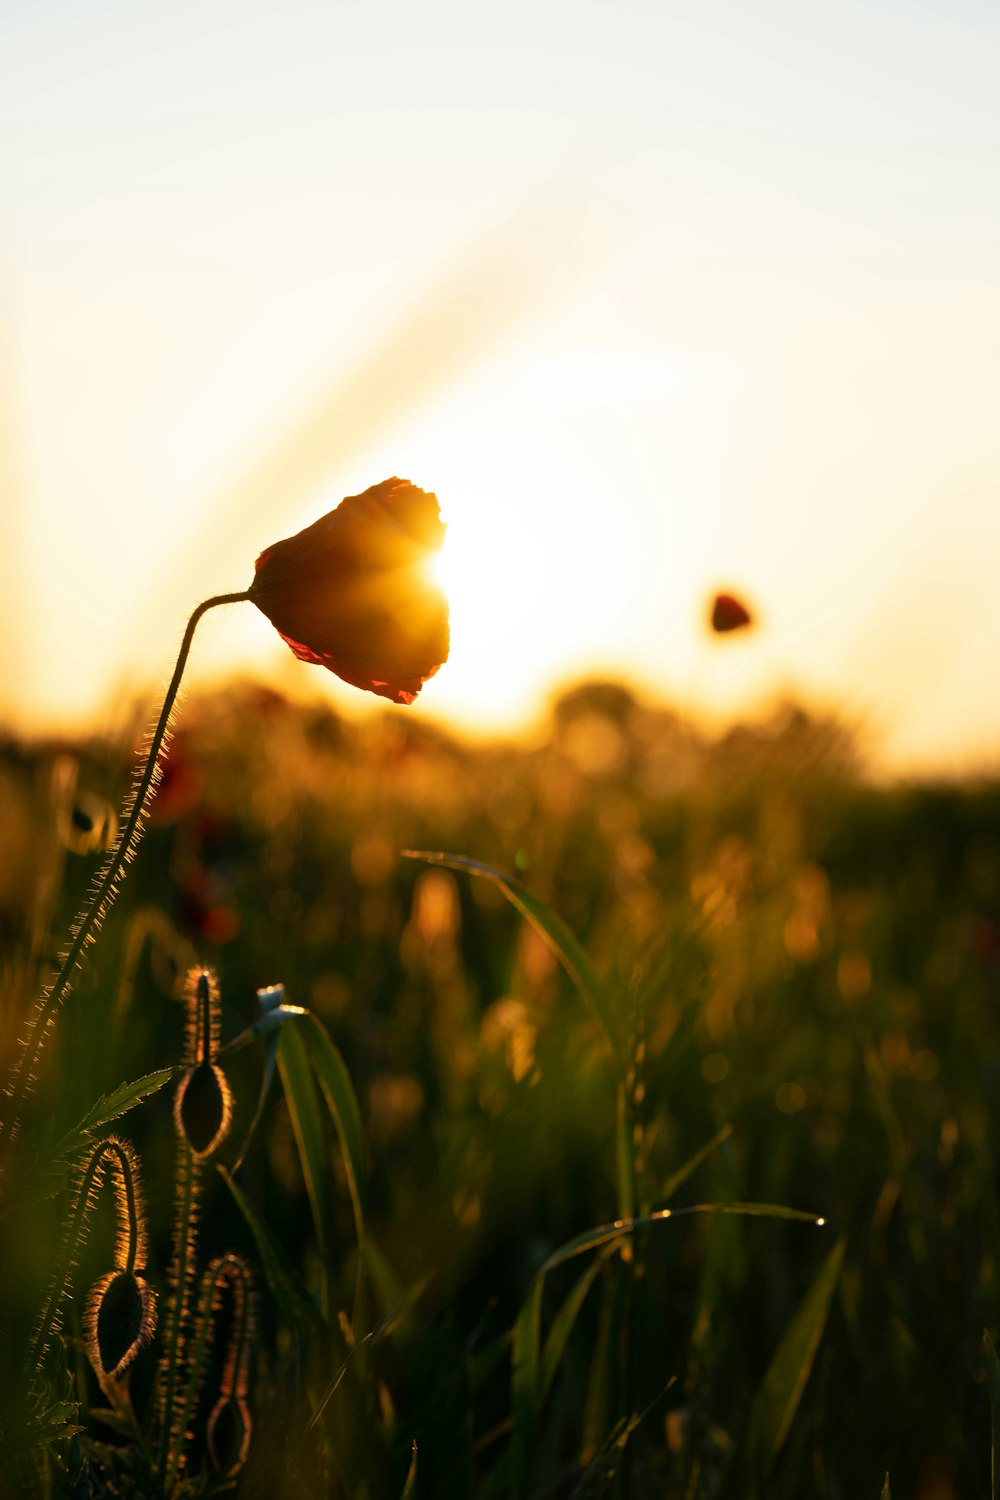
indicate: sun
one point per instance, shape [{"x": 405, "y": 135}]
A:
[{"x": 521, "y": 568}]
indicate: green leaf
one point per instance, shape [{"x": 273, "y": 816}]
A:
[
  {"x": 51, "y": 1173},
  {"x": 268, "y": 1025},
  {"x": 276, "y": 1013},
  {"x": 551, "y": 928},
  {"x": 125, "y": 1097},
  {"x": 678, "y": 1178},
  {"x": 525, "y": 1387},
  {"x": 304, "y": 1109},
  {"x": 993, "y": 1385},
  {"x": 293, "y": 1301},
  {"x": 24, "y": 1430},
  {"x": 410, "y": 1487},
  {"x": 335, "y": 1081},
  {"x": 606, "y": 1234},
  {"x": 775, "y": 1404}
]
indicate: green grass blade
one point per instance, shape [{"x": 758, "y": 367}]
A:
[
  {"x": 887, "y": 1489},
  {"x": 307, "y": 1123},
  {"x": 332, "y": 1386},
  {"x": 294, "y": 1303},
  {"x": 597, "y": 1402},
  {"x": 482, "y": 1364},
  {"x": 525, "y": 1384},
  {"x": 562, "y": 1327},
  {"x": 747, "y": 1211},
  {"x": 606, "y": 1234},
  {"x": 384, "y": 1329},
  {"x": 338, "y": 1090},
  {"x": 601, "y": 1471},
  {"x": 604, "y": 1374},
  {"x": 410, "y": 1487},
  {"x": 625, "y": 1153},
  {"x": 678, "y": 1178},
  {"x": 779, "y": 1395},
  {"x": 391, "y": 1297},
  {"x": 533, "y": 1369},
  {"x": 993, "y": 1385},
  {"x": 550, "y": 927},
  {"x": 270, "y": 1064}
]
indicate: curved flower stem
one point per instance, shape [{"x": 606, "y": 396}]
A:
[
  {"x": 109, "y": 1154},
  {"x": 85, "y": 928}
]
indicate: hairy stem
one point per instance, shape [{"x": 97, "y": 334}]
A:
[
  {"x": 85, "y": 928},
  {"x": 173, "y": 1358},
  {"x": 116, "y": 1154},
  {"x": 228, "y": 1270}
]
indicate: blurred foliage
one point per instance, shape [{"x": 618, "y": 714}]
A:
[{"x": 790, "y": 951}]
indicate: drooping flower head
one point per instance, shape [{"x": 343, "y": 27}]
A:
[
  {"x": 729, "y": 613},
  {"x": 352, "y": 592}
]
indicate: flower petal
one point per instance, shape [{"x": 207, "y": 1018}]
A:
[{"x": 351, "y": 592}]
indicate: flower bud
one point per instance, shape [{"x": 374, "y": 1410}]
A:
[
  {"x": 203, "y": 1108},
  {"x": 203, "y": 1105},
  {"x": 118, "y": 1321}
]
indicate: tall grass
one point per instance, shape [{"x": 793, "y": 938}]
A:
[{"x": 518, "y": 1189}]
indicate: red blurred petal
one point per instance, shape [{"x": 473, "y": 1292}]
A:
[{"x": 729, "y": 613}]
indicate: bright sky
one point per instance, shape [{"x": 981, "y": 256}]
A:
[{"x": 659, "y": 298}]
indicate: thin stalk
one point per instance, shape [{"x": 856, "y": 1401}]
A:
[{"x": 85, "y": 928}]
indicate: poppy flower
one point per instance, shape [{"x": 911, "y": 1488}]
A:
[
  {"x": 728, "y": 613},
  {"x": 352, "y": 591}
]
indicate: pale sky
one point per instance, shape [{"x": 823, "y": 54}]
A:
[{"x": 658, "y": 298}]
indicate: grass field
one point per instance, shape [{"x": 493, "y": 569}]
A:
[{"x": 785, "y": 993}]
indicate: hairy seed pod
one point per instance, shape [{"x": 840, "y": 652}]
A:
[
  {"x": 202, "y": 1115},
  {"x": 229, "y": 1426},
  {"x": 120, "y": 1312},
  {"x": 203, "y": 1105},
  {"x": 119, "y": 1320},
  {"x": 226, "y": 1314},
  {"x": 203, "y": 1108},
  {"x": 228, "y": 1432}
]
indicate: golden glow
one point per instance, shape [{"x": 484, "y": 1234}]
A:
[
  {"x": 640, "y": 348},
  {"x": 521, "y": 568}
]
